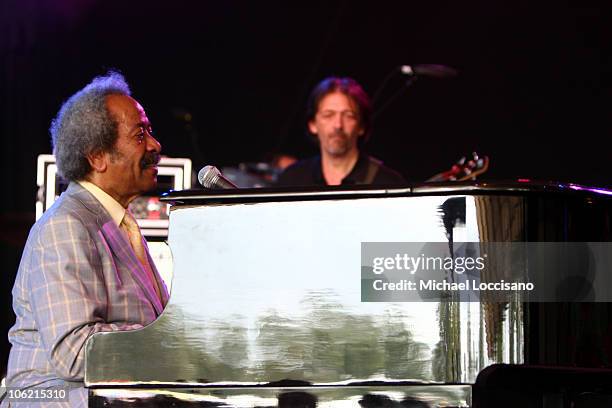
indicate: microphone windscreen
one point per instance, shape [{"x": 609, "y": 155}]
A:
[
  {"x": 207, "y": 175},
  {"x": 211, "y": 177}
]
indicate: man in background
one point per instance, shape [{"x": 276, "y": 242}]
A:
[
  {"x": 86, "y": 267},
  {"x": 339, "y": 116}
]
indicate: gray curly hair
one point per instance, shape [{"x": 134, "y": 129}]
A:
[{"x": 84, "y": 125}]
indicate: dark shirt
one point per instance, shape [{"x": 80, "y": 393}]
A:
[{"x": 309, "y": 172}]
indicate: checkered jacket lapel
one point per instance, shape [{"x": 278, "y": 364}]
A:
[{"x": 121, "y": 248}]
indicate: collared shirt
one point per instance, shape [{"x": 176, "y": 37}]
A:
[
  {"x": 309, "y": 172},
  {"x": 111, "y": 205}
]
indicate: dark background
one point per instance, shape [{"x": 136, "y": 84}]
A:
[{"x": 532, "y": 92}]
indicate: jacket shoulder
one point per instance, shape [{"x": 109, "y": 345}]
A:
[{"x": 76, "y": 208}]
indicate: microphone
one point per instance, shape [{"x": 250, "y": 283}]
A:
[
  {"x": 429, "y": 70},
  {"x": 211, "y": 177}
]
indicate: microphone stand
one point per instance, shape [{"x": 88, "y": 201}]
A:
[
  {"x": 393, "y": 97},
  {"x": 384, "y": 82},
  {"x": 431, "y": 70}
]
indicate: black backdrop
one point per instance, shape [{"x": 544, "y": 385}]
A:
[{"x": 532, "y": 91}]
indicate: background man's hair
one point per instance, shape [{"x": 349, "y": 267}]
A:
[
  {"x": 352, "y": 90},
  {"x": 84, "y": 125}
]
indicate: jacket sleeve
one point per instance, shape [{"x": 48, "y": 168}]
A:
[{"x": 68, "y": 293}]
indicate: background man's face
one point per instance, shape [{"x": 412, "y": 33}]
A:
[
  {"x": 132, "y": 165},
  {"x": 336, "y": 124}
]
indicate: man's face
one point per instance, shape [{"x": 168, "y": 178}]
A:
[
  {"x": 336, "y": 124},
  {"x": 132, "y": 165}
]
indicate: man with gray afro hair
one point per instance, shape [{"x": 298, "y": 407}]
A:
[
  {"x": 83, "y": 125},
  {"x": 85, "y": 267}
]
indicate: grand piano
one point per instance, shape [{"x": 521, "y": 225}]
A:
[{"x": 272, "y": 304}]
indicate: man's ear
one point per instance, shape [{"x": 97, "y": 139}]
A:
[
  {"x": 98, "y": 161},
  {"x": 312, "y": 128}
]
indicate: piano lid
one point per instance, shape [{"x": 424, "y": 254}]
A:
[{"x": 296, "y": 193}]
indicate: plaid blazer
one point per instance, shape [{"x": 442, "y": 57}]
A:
[{"x": 78, "y": 275}]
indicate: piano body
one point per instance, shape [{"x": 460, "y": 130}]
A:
[{"x": 266, "y": 304}]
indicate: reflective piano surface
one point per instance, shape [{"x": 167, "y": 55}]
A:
[{"x": 266, "y": 299}]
